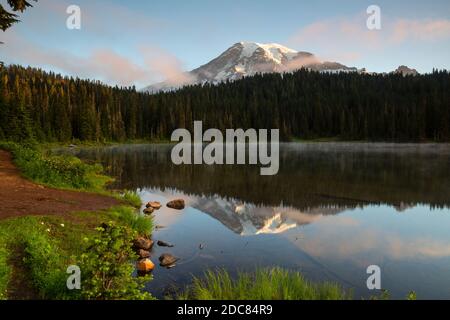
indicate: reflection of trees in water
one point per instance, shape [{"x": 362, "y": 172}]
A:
[{"x": 307, "y": 178}]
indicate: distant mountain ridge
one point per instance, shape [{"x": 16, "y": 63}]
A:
[{"x": 249, "y": 58}]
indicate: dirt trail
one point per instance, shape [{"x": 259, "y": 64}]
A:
[{"x": 20, "y": 197}]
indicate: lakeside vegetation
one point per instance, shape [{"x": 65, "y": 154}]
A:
[
  {"x": 47, "y": 245},
  {"x": 64, "y": 171},
  {"x": 35, "y": 251},
  {"x": 263, "y": 284}
]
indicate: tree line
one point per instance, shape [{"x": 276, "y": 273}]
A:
[{"x": 45, "y": 106}]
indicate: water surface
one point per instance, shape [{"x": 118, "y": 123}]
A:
[{"x": 332, "y": 210}]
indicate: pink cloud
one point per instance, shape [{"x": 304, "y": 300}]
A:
[
  {"x": 165, "y": 64},
  {"x": 102, "y": 64},
  {"x": 349, "y": 39},
  {"x": 422, "y": 30}
]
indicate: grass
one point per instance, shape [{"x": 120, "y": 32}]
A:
[
  {"x": 43, "y": 258},
  {"x": 132, "y": 198},
  {"x": 264, "y": 284},
  {"x": 5, "y": 269},
  {"x": 63, "y": 172},
  {"x": 53, "y": 243},
  {"x": 143, "y": 225}
]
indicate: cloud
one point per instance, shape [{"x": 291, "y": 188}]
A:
[
  {"x": 337, "y": 39},
  {"x": 96, "y": 51},
  {"x": 101, "y": 63},
  {"x": 349, "y": 39},
  {"x": 343, "y": 237},
  {"x": 167, "y": 65},
  {"x": 420, "y": 30},
  {"x": 100, "y": 18}
]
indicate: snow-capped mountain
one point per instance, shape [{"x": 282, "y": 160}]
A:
[
  {"x": 247, "y": 219},
  {"x": 247, "y": 59}
]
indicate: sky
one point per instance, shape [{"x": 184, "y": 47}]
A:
[{"x": 142, "y": 42}]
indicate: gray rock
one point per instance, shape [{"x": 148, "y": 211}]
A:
[
  {"x": 164, "y": 244},
  {"x": 167, "y": 260}
]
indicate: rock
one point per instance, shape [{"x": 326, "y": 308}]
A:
[
  {"x": 167, "y": 260},
  {"x": 143, "y": 253},
  {"x": 176, "y": 204},
  {"x": 164, "y": 244},
  {"x": 149, "y": 211},
  {"x": 145, "y": 265},
  {"x": 143, "y": 243},
  {"x": 154, "y": 204}
]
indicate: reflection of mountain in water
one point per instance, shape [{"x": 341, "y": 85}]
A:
[
  {"x": 249, "y": 219},
  {"x": 323, "y": 175}
]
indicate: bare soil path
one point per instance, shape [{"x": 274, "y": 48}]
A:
[{"x": 21, "y": 197}]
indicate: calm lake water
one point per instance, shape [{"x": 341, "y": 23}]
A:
[{"x": 332, "y": 210}]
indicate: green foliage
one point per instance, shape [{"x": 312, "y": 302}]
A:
[
  {"x": 106, "y": 266},
  {"x": 143, "y": 225},
  {"x": 56, "y": 171},
  {"x": 44, "y": 259},
  {"x": 46, "y": 264},
  {"x": 132, "y": 198},
  {"x": 302, "y": 104},
  {"x": 265, "y": 284},
  {"x": 412, "y": 296},
  {"x": 51, "y": 244},
  {"x": 5, "y": 269}
]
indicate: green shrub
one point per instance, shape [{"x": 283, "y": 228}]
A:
[
  {"x": 106, "y": 266},
  {"x": 265, "y": 284}
]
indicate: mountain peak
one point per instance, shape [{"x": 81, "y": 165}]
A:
[{"x": 249, "y": 58}]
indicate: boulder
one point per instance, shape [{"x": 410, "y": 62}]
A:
[
  {"x": 167, "y": 260},
  {"x": 164, "y": 244},
  {"x": 143, "y": 243},
  {"x": 154, "y": 204},
  {"x": 176, "y": 204},
  {"x": 143, "y": 253},
  {"x": 145, "y": 265},
  {"x": 149, "y": 211}
]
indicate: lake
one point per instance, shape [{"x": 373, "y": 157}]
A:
[{"x": 332, "y": 210}]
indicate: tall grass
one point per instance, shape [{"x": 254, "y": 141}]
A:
[
  {"x": 65, "y": 171},
  {"x": 143, "y": 225},
  {"x": 132, "y": 198},
  {"x": 264, "y": 284}
]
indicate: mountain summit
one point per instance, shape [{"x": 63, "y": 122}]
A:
[{"x": 248, "y": 58}]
